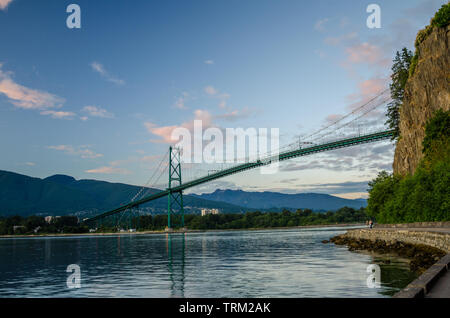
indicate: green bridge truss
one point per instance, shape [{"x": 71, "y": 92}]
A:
[{"x": 176, "y": 187}]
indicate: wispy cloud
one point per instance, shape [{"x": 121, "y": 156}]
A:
[
  {"x": 58, "y": 114},
  {"x": 95, "y": 111},
  {"x": 109, "y": 170},
  {"x": 112, "y": 168},
  {"x": 24, "y": 97},
  {"x": 320, "y": 24},
  {"x": 236, "y": 114},
  {"x": 82, "y": 151},
  {"x": 210, "y": 90},
  {"x": 369, "y": 158},
  {"x": 4, "y": 4},
  {"x": 215, "y": 93},
  {"x": 343, "y": 39},
  {"x": 165, "y": 132},
  {"x": 367, "y": 53},
  {"x": 181, "y": 101},
  {"x": 209, "y": 62},
  {"x": 99, "y": 68}
]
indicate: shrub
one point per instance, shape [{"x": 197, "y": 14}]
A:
[{"x": 442, "y": 17}]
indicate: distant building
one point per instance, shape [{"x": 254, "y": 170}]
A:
[
  {"x": 16, "y": 227},
  {"x": 209, "y": 211}
]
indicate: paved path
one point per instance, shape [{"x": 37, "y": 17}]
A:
[
  {"x": 441, "y": 289},
  {"x": 445, "y": 230}
]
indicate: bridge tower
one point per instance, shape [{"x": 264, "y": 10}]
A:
[{"x": 175, "y": 199}]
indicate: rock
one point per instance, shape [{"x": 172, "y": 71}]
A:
[
  {"x": 426, "y": 91},
  {"x": 421, "y": 256}
]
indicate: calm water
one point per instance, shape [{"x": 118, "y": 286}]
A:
[{"x": 273, "y": 263}]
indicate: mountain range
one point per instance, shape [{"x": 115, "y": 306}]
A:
[
  {"x": 61, "y": 195},
  {"x": 275, "y": 200}
]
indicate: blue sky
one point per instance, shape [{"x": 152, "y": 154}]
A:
[{"x": 97, "y": 102}]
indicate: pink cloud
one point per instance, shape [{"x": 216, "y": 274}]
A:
[
  {"x": 27, "y": 98},
  {"x": 109, "y": 170},
  {"x": 4, "y": 4},
  {"x": 112, "y": 168},
  {"x": 58, "y": 114},
  {"x": 165, "y": 132},
  {"x": 82, "y": 151},
  {"x": 366, "y": 53},
  {"x": 367, "y": 89}
]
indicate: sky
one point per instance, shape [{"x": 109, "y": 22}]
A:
[{"x": 100, "y": 102}]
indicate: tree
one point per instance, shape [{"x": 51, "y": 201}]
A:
[
  {"x": 400, "y": 74},
  {"x": 381, "y": 189}
]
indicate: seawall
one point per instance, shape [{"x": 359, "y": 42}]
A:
[
  {"x": 410, "y": 239},
  {"x": 427, "y": 236}
]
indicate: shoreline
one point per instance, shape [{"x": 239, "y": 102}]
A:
[
  {"x": 420, "y": 256},
  {"x": 68, "y": 235},
  {"x": 427, "y": 248}
]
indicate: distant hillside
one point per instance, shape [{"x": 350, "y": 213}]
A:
[
  {"x": 61, "y": 195},
  {"x": 268, "y": 200}
]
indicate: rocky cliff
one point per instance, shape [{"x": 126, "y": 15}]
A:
[{"x": 427, "y": 90}]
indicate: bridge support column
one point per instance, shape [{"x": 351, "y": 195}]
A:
[{"x": 175, "y": 208}]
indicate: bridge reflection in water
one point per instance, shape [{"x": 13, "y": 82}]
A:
[{"x": 175, "y": 248}]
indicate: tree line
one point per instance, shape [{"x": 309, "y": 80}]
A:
[{"x": 69, "y": 224}]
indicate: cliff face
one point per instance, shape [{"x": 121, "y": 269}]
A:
[{"x": 427, "y": 90}]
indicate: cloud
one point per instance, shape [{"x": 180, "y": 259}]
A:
[
  {"x": 109, "y": 170},
  {"x": 210, "y": 90},
  {"x": 320, "y": 53},
  {"x": 344, "y": 22},
  {"x": 370, "y": 158},
  {"x": 344, "y": 39},
  {"x": 367, "y": 53},
  {"x": 95, "y": 111},
  {"x": 82, "y": 151},
  {"x": 320, "y": 25},
  {"x": 213, "y": 186},
  {"x": 99, "y": 68},
  {"x": 165, "y": 132},
  {"x": 209, "y": 62},
  {"x": 207, "y": 119},
  {"x": 4, "y": 4},
  {"x": 58, "y": 114},
  {"x": 27, "y": 98},
  {"x": 337, "y": 188},
  {"x": 181, "y": 101},
  {"x": 235, "y": 114},
  {"x": 30, "y": 164},
  {"x": 215, "y": 93},
  {"x": 112, "y": 168}
]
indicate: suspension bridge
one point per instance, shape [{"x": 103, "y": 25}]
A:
[{"x": 174, "y": 191}]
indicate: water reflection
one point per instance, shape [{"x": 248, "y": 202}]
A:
[
  {"x": 176, "y": 244},
  {"x": 276, "y": 263}
]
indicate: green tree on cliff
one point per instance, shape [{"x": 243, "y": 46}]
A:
[{"x": 400, "y": 74}]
